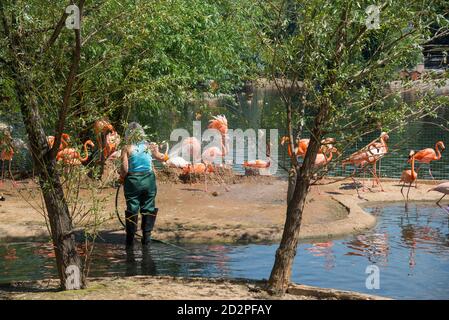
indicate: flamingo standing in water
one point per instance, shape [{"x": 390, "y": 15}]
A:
[
  {"x": 441, "y": 188},
  {"x": 428, "y": 155},
  {"x": 72, "y": 157},
  {"x": 409, "y": 176}
]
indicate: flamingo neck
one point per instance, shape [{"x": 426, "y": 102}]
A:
[
  {"x": 224, "y": 147},
  {"x": 384, "y": 143},
  {"x": 438, "y": 152},
  {"x": 86, "y": 153},
  {"x": 329, "y": 158},
  {"x": 166, "y": 151},
  {"x": 64, "y": 143},
  {"x": 413, "y": 166}
]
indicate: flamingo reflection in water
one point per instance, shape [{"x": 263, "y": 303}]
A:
[
  {"x": 324, "y": 249},
  {"x": 374, "y": 246},
  {"x": 218, "y": 257}
]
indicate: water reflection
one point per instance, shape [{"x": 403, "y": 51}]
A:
[
  {"x": 147, "y": 264},
  {"x": 374, "y": 247},
  {"x": 411, "y": 248},
  {"x": 323, "y": 249}
]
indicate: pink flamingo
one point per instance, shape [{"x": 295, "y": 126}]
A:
[
  {"x": 191, "y": 147},
  {"x": 112, "y": 142},
  {"x": 441, "y": 188},
  {"x": 303, "y": 144},
  {"x": 409, "y": 176},
  {"x": 428, "y": 155},
  {"x": 321, "y": 158},
  {"x": 101, "y": 128},
  {"x": 257, "y": 164},
  {"x": 6, "y": 155},
  {"x": 220, "y": 123},
  {"x": 174, "y": 161},
  {"x": 72, "y": 157},
  {"x": 370, "y": 154},
  {"x": 65, "y": 138},
  {"x": 197, "y": 168},
  {"x": 208, "y": 156}
]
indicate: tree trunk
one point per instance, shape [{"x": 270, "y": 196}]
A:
[
  {"x": 67, "y": 260},
  {"x": 285, "y": 254},
  {"x": 292, "y": 175}
]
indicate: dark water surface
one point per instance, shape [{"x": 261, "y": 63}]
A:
[{"x": 410, "y": 247}]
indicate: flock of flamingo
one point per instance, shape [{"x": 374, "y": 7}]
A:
[
  {"x": 367, "y": 158},
  {"x": 108, "y": 141}
]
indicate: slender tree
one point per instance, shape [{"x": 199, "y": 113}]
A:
[
  {"x": 333, "y": 72},
  {"x": 44, "y": 158}
]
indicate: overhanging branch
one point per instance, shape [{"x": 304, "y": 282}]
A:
[{"x": 69, "y": 86}]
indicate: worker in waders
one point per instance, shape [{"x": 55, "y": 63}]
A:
[{"x": 139, "y": 182}]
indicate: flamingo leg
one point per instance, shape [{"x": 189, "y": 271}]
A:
[
  {"x": 402, "y": 188},
  {"x": 408, "y": 191},
  {"x": 374, "y": 173},
  {"x": 438, "y": 202},
  {"x": 376, "y": 177},
  {"x": 100, "y": 146},
  {"x": 205, "y": 179},
  {"x": 3, "y": 170},
  {"x": 430, "y": 172},
  {"x": 355, "y": 181},
  {"x": 363, "y": 179},
  {"x": 10, "y": 173},
  {"x": 356, "y": 187},
  {"x": 190, "y": 176}
]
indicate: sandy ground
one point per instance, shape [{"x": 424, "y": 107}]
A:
[
  {"x": 139, "y": 287},
  {"x": 252, "y": 210},
  {"x": 172, "y": 288}
]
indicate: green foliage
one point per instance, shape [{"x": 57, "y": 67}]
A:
[
  {"x": 331, "y": 58},
  {"x": 149, "y": 55}
]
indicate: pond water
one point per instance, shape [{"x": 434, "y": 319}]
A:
[{"x": 409, "y": 246}]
